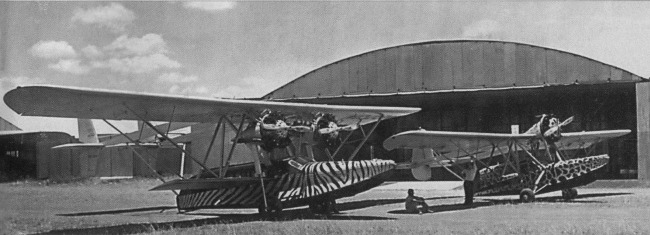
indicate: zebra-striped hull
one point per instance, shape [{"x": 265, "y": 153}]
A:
[{"x": 335, "y": 179}]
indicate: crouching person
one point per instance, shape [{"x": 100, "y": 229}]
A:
[{"x": 415, "y": 204}]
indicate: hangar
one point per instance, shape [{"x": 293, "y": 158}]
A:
[{"x": 487, "y": 86}]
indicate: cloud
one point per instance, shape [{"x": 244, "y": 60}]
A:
[
  {"x": 188, "y": 90},
  {"x": 70, "y": 66},
  {"x": 177, "y": 78},
  {"x": 92, "y": 52},
  {"x": 7, "y": 83},
  {"x": 138, "y": 64},
  {"x": 249, "y": 87},
  {"x": 53, "y": 50},
  {"x": 115, "y": 17},
  {"x": 209, "y": 6},
  {"x": 485, "y": 28},
  {"x": 147, "y": 45}
]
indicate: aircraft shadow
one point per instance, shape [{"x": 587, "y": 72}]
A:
[
  {"x": 122, "y": 211},
  {"x": 223, "y": 218},
  {"x": 559, "y": 199},
  {"x": 493, "y": 202}
]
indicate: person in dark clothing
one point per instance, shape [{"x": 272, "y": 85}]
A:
[
  {"x": 415, "y": 204},
  {"x": 469, "y": 173}
]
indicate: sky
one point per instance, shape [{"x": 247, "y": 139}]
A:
[{"x": 247, "y": 49}]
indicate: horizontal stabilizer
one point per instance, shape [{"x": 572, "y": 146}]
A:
[
  {"x": 207, "y": 183},
  {"x": 79, "y": 146}
]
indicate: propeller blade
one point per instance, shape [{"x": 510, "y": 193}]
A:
[
  {"x": 567, "y": 121},
  {"x": 300, "y": 128},
  {"x": 328, "y": 130}
]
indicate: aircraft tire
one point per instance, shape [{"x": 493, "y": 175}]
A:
[
  {"x": 316, "y": 208},
  {"x": 566, "y": 195},
  {"x": 527, "y": 195},
  {"x": 573, "y": 193}
]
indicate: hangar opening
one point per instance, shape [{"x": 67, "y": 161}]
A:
[{"x": 487, "y": 86}]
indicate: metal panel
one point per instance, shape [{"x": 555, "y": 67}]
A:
[
  {"x": 478, "y": 65},
  {"x": 382, "y": 73},
  {"x": 370, "y": 64},
  {"x": 390, "y": 85},
  {"x": 402, "y": 70},
  {"x": 447, "y": 79},
  {"x": 582, "y": 68},
  {"x": 509, "y": 61},
  {"x": 354, "y": 76},
  {"x": 563, "y": 64},
  {"x": 417, "y": 67},
  {"x": 539, "y": 66},
  {"x": 431, "y": 69},
  {"x": 643, "y": 129},
  {"x": 616, "y": 74},
  {"x": 468, "y": 67},
  {"x": 572, "y": 69},
  {"x": 362, "y": 72},
  {"x": 553, "y": 64},
  {"x": 490, "y": 58},
  {"x": 456, "y": 53},
  {"x": 523, "y": 65},
  {"x": 341, "y": 78},
  {"x": 498, "y": 63}
]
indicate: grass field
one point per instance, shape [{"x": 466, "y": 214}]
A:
[{"x": 92, "y": 207}]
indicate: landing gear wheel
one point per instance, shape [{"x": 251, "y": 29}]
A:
[
  {"x": 323, "y": 207},
  {"x": 274, "y": 206},
  {"x": 527, "y": 195},
  {"x": 569, "y": 194}
]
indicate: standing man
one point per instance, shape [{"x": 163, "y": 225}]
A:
[{"x": 469, "y": 172}]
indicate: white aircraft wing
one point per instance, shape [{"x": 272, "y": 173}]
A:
[
  {"x": 580, "y": 140},
  {"x": 56, "y": 101},
  {"x": 455, "y": 146},
  {"x": 459, "y": 146}
]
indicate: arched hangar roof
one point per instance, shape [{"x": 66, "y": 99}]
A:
[{"x": 446, "y": 66}]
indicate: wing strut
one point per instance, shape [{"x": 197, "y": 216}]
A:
[
  {"x": 345, "y": 140},
  {"x": 171, "y": 141},
  {"x": 366, "y": 137},
  {"x": 138, "y": 154},
  {"x": 232, "y": 148},
  {"x": 214, "y": 137}
]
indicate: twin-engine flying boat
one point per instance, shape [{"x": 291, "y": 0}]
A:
[{"x": 283, "y": 137}]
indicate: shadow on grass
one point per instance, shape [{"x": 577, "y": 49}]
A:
[
  {"x": 559, "y": 199},
  {"x": 111, "y": 212},
  {"x": 493, "y": 202},
  {"x": 222, "y": 218}
]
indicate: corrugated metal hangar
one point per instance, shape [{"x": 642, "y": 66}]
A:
[{"x": 487, "y": 86}]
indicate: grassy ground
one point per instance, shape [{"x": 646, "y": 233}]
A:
[{"x": 91, "y": 207}]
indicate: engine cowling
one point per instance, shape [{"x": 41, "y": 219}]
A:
[
  {"x": 277, "y": 133},
  {"x": 327, "y": 138}
]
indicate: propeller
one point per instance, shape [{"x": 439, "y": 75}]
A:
[
  {"x": 554, "y": 132},
  {"x": 274, "y": 131},
  {"x": 327, "y": 130}
]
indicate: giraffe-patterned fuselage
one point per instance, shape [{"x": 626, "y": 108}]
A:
[{"x": 554, "y": 176}]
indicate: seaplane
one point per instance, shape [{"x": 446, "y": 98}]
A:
[
  {"x": 540, "y": 160},
  {"x": 283, "y": 138}
]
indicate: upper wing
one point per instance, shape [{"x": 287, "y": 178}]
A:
[
  {"x": 54, "y": 101},
  {"x": 579, "y": 140},
  {"x": 449, "y": 141},
  {"x": 455, "y": 146}
]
